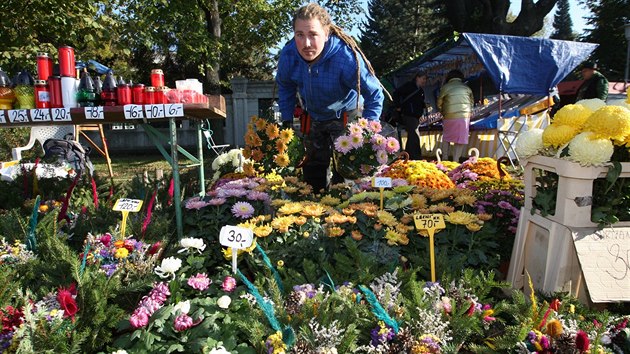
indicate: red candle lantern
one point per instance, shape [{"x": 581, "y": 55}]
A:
[
  {"x": 67, "y": 64},
  {"x": 44, "y": 66}
]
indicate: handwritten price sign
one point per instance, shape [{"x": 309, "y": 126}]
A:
[
  {"x": 3, "y": 119},
  {"x": 128, "y": 205},
  {"x": 154, "y": 110},
  {"x": 133, "y": 111},
  {"x": 18, "y": 116},
  {"x": 430, "y": 223},
  {"x": 382, "y": 182},
  {"x": 94, "y": 112},
  {"x": 60, "y": 114},
  {"x": 174, "y": 110},
  {"x": 40, "y": 115},
  {"x": 236, "y": 237}
]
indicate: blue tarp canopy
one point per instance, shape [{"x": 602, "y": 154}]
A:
[{"x": 519, "y": 65}]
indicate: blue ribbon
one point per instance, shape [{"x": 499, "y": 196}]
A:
[
  {"x": 378, "y": 310},
  {"x": 267, "y": 262}
]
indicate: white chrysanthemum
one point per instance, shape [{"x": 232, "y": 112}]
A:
[
  {"x": 219, "y": 161},
  {"x": 529, "y": 143},
  {"x": 168, "y": 267},
  {"x": 219, "y": 350},
  {"x": 619, "y": 102},
  {"x": 590, "y": 152},
  {"x": 182, "y": 307},
  {"x": 592, "y": 103},
  {"x": 191, "y": 243}
]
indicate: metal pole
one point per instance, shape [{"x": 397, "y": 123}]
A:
[
  {"x": 202, "y": 176},
  {"x": 625, "y": 80},
  {"x": 176, "y": 183}
]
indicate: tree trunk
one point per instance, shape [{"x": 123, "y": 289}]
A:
[
  {"x": 488, "y": 16},
  {"x": 213, "y": 27}
]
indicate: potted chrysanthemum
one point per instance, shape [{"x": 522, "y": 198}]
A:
[{"x": 363, "y": 148}]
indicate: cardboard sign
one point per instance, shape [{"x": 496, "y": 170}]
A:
[
  {"x": 429, "y": 222},
  {"x": 174, "y": 110},
  {"x": 40, "y": 115},
  {"x": 605, "y": 260},
  {"x": 154, "y": 110},
  {"x": 236, "y": 237},
  {"x": 382, "y": 182},
  {"x": 128, "y": 205},
  {"x": 60, "y": 114},
  {"x": 133, "y": 111},
  {"x": 94, "y": 112}
]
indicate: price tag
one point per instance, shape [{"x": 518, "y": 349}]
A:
[
  {"x": 18, "y": 116},
  {"x": 60, "y": 114},
  {"x": 429, "y": 222},
  {"x": 154, "y": 110},
  {"x": 94, "y": 112},
  {"x": 133, "y": 111},
  {"x": 128, "y": 205},
  {"x": 3, "y": 119},
  {"x": 382, "y": 182},
  {"x": 174, "y": 110},
  {"x": 40, "y": 115},
  {"x": 236, "y": 237}
]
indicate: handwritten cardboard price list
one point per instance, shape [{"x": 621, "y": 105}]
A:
[
  {"x": 40, "y": 115},
  {"x": 94, "y": 112},
  {"x": 125, "y": 206},
  {"x": 3, "y": 118},
  {"x": 236, "y": 238},
  {"x": 133, "y": 111},
  {"x": 60, "y": 114},
  {"x": 430, "y": 224},
  {"x": 18, "y": 116}
]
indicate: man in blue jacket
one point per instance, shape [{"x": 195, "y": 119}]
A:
[{"x": 320, "y": 63}]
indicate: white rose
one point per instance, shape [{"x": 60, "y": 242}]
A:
[
  {"x": 224, "y": 302},
  {"x": 189, "y": 243},
  {"x": 182, "y": 306},
  {"x": 168, "y": 267}
]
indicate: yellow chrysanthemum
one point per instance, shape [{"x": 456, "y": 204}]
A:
[
  {"x": 335, "y": 231},
  {"x": 386, "y": 218},
  {"x": 394, "y": 237},
  {"x": 465, "y": 199},
  {"x": 558, "y": 135},
  {"x": 313, "y": 210},
  {"x": 272, "y": 131},
  {"x": 290, "y": 208},
  {"x": 290, "y": 189},
  {"x": 263, "y": 230},
  {"x": 277, "y": 203},
  {"x": 281, "y": 146},
  {"x": 281, "y": 160},
  {"x": 330, "y": 200},
  {"x": 259, "y": 123},
  {"x": 461, "y": 218},
  {"x": 474, "y": 227},
  {"x": 286, "y": 135},
  {"x": 227, "y": 251},
  {"x": 282, "y": 223},
  {"x": 348, "y": 211},
  {"x": 336, "y": 218},
  {"x": 484, "y": 217},
  {"x": 121, "y": 253},
  {"x": 257, "y": 155},
  {"x": 610, "y": 122},
  {"x": 299, "y": 220}
]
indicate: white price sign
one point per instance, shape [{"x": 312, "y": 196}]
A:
[
  {"x": 133, "y": 111},
  {"x": 60, "y": 114},
  {"x": 382, "y": 182},
  {"x": 125, "y": 204},
  {"x": 236, "y": 237},
  {"x": 40, "y": 115},
  {"x": 94, "y": 112},
  {"x": 3, "y": 119},
  {"x": 154, "y": 110},
  {"x": 18, "y": 116},
  {"x": 174, "y": 110}
]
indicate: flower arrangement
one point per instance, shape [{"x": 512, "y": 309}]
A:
[
  {"x": 476, "y": 169},
  {"x": 362, "y": 149},
  {"x": 127, "y": 257},
  {"x": 419, "y": 173},
  {"x": 16, "y": 253},
  {"x": 267, "y": 148}
]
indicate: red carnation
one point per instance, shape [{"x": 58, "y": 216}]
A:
[
  {"x": 581, "y": 341},
  {"x": 67, "y": 302}
]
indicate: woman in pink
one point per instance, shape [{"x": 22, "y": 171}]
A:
[{"x": 455, "y": 102}]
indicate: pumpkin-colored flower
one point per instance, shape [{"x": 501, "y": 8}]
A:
[
  {"x": 272, "y": 131},
  {"x": 313, "y": 210},
  {"x": 286, "y": 135},
  {"x": 290, "y": 208},
  {"x": 257, "y": 155},
  {"x": 281, "y": 160},
  {"x": 299, "y": 220},
  {"x": 259, "y": 123},
  {"x": 473, "y": 227},
  {"x": 282, "y": 223},
  {"x": 558, "y": 135},
  {"x": 554, "y": 328},
  {"x": 356, "y": 235},
  {"x": 336, "y": 219},
  {"x": 248, "y": 169},
  {"x": 281, "y": 146},
  {"x": 335, "y": 231}
]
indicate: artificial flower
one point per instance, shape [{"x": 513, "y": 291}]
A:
[
  {"x": 67, "y": 302},
  {"x": 556, "y": 135},
  {"x": 529, "y": 143},
  {"x": 168, "y": 267},
  {"x": 587, "y": 150},
  {"x": 224, "y": 302}
]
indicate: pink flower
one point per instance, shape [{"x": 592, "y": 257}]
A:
[
  {"x": 355, "y": 129},
  {"x": 375, "y": 126},
  {"x": 356, "y": 141},
  {"x": 199, "y": 281},
  {"x": 106, "y": 239},
  {"x": 242, "y": 210},
  {"x": 216, "y": 201},
  {"x": 183, "y": 322},
  {"x": 362, "y": 122},
  {"x": 229, "y": 284},
  {"x": 343, "y": 144},
  {"x": 139, "y": 318},
  {"x": 155, "y": 248},
  {"x": 160, "y": 292},
  {"x": 150, "y": 304},
  {"x": 381, "y": 157},
  {"x": 378, "y": 142},
  {"x": 392, "y": 145}
]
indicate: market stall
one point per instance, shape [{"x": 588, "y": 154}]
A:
[{"x": 520, "y": 92}]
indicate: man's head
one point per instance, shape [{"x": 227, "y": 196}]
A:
[
  {"x": 454, "y": 74},
  {"x": 421, "y": 78},
  {"x": 588, "y": 69},
  {"x": 311, "y": 28}
]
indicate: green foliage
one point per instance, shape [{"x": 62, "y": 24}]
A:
[
  {"x": 605, "y": 27},
  {"x": 562, "y": 23},
  {"x": 11, "y": 138}
]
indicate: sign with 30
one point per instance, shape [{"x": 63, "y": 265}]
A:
[{"x": 236, "y": 237}]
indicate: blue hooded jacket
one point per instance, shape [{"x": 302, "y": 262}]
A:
[{"x": 328, "y": 86}]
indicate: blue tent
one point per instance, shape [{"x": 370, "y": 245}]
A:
[{"x": 519, "y": 65}]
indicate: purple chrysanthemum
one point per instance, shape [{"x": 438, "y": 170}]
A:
[{"x": 242, "y": 210}]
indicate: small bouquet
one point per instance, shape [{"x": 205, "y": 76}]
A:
[
  {"x": 363, "y": 149},
  {"x": 269, "y": 148}
]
